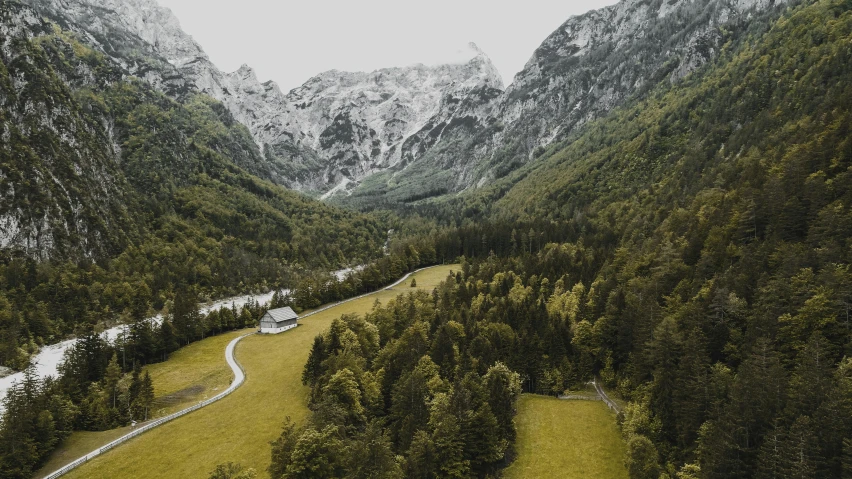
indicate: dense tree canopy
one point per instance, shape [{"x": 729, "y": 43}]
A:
[{"x": 147, "y": 194}]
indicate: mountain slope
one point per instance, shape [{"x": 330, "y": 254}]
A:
[
  {"x": 115, "y": 194},
  {"x": 337, "y": 128},
  {"x": 395, "y": 136},
  {"x": 62, "y": 191},
  {"x": 592, "y": 64},
  {"x": 707, "y": 260}
]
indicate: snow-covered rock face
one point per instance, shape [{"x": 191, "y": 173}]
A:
[
  {"x": 337, "y": 127},
  {"x": 595, "y": 61},
  {"x": 451, "y": 120},
  {"x": 364, "y": 122},
  {"x": 340, "y": 127}
]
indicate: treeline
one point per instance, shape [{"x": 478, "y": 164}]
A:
[
  {"x": 92, "y": 393},
  {"x": 420, "y": 247},
  {"x": 710, "y": 273},
  {"x": 317, "y": 289},
  {"x": 100, "y": 384},
  {"x": 146, "y": 195},
  {"x": 399, "y": 394}
]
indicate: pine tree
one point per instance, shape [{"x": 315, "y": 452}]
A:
[
  {"x": 111, "y": 377},
  {"x": 483, "y": 443},
  {"x": 146, "y": 394},
  {"x": 800, "y": 451},
  {"x": 371, "y": 456},
  {"x": 730, "y": 442},
  {"x": 313, "y": 368},
  {"x": 770, "y": 459},
  {"x": 447, "y": 440},
  {"x": 690, "y": 397},
  {"x": 185, "y": 315},
  {"x": 168, "y": 340},
  {"x": 502, "y": 387},
  {"x": 134, "y": 391},
  {"x": 422, "y": 461},
  {"x": 667, "y": 352}
]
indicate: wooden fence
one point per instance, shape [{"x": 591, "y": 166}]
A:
[{"x": 239, "y": 377}]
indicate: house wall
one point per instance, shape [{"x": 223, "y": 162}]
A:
[
  {"x": 268, "y": 323},
  {"x": 276, "y": 330}
]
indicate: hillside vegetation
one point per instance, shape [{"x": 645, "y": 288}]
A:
[
  {"x": 691, "y": 248},
  {"x": 709, "y": 234},
  {"x": 240, "y": 427},
  {"x": 115, "y": 194}
]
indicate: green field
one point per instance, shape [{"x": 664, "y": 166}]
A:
[
  {"x": 78, "y": 445},
  {"x": 239, "y": 427},
  {"x": 570, "y": 439},
  {"x": 192, "y": 374}
]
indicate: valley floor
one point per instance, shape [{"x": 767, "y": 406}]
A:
[
  {"x": 192, "y": 374},
  {"x": 240, "y": 427},
  {"x": 566, "y": 439}
]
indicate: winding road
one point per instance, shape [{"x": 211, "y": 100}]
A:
[
  {"x": 609, "y": 402},
  {"x": 239, "y": 379}
]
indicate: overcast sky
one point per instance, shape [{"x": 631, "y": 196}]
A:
[{"x": 290, "y": 41}]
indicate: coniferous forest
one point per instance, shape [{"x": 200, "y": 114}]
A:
[{"x": 690, "y": 250}]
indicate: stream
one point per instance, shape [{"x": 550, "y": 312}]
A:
[{"x": 47, "y": 360}]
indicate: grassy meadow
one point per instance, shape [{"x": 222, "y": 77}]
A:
[
  {"x": 566, "y": 439},
  {"x": 192, "y": 374},
  {"x": 240, "y": 427}
]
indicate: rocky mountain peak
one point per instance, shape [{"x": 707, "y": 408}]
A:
[
  {"x": 361, "y": 122},
  {"x": 341, "y": 127},
  {"x": 246, "y": 72}
]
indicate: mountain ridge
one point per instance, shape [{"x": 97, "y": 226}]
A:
[
  {"x": 287, "y": 126},
  {"x": 445, "y": 128}
]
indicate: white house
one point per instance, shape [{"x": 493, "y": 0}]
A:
[{"x": 278, "y": 320}]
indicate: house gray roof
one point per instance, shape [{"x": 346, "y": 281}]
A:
[{"x": 282, "y": 314}]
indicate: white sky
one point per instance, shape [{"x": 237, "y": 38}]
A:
[{"x": 290, "y": 41}]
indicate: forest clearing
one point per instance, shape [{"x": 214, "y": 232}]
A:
[
  {"x": 193, "y": 445},
  {"x": 570, "y": 439}
]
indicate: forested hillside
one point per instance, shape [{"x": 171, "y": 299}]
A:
[
  {"x": 699, "y": 264},
  {"x": 400, "y": 393},
  {"x": 113, "y": 193},
  {"x": 690, "y": 247}
]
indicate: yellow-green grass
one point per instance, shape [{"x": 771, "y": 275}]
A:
[
  {"x": 78, "y": 445},
  {"x": 240, "y": 427},
  {"x": 568, "y": 439},
  {"x": 192, "y": 374}
]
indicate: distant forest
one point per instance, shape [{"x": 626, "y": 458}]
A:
[{"x": 692, "y": 250}]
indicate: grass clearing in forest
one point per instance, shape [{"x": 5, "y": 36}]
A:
[
  {"x": 567, "y": 439},
  {"x": 192, "y": 374},
  {"x": 240, "y": 427},
  {"x": 78, "y": 445}
]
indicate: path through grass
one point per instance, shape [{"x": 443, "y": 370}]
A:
[
  {"x": 192, "y": 374},
  {"x": 566, "y": 439},
  {"x": 239, "y": 427}
]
